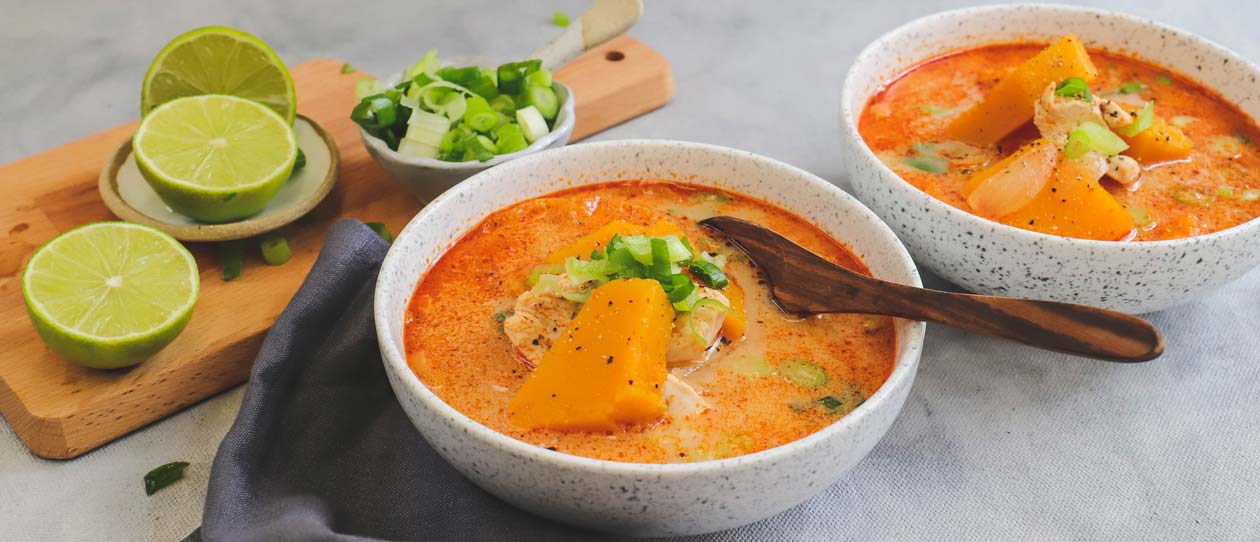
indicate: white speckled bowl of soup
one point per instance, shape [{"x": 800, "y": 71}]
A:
[
  {"x": 1060, "y": 153},
  {"x": 561, "y": 330}
]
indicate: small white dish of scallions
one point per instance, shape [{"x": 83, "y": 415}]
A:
[{"x": 434, "y": 125}]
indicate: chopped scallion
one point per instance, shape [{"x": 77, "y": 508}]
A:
[
  {"x": 1074, "y": 87},
  {"x": 1101, "y": 139},
  {"x": 712, "y": 275},
  {"x": 1078, "y": 144},
  {"x": 232, "y": 258},
  {"x": 1190, "y": 196},
  {"x": 275, "y": 250},
  {"x": 1163, "y": 79},
  {"x": 163, "y": 476},
  {"x": 1132, "y": 87},
  {"x": 560, "y": 18},
  {"x": 804, "y": 373},
  {"x": 711, "y": 304},
  {"x": 347, "y": 68},
  {"x": 1142, "y": 122}
]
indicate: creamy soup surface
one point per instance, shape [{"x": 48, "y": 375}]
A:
[
  {"x": 1216, "y": 187},
  {"x": 456, "y": 343}
]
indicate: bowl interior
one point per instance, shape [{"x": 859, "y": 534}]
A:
[
  {"x": 444, "y": 221},
  {"x": 1232, "y": 76}
]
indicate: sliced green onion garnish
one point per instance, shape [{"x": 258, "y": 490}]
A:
[
  {"x": 300, "y": 162},
  {"x": 688, "y": 303},
  {"x": 930, "y": 164},
  {"x": 347, "y": 68},
  {"x": 366, "y": 87},
  {"x": 589, "y": 270},
  {"x": 705, "y": 303},
  {"x": 465, "y": 77},
  {"x": 1142, "y": 122},
  {"x": 1141, "y": 216},
  {"x": 1078, "y": 144},
  {"x": 1074, "y": 87},
  {"x": 544, "y": 99},
  {"x": 541, "y": 78},
  {"x": 510, "y": 138},
  {"x": 560, "y": 18},
  {"x": 1163, "y": 79},
  {"x": 1191, "y": 196},
  {"x": 479, "y": 115},
  {"x": 532, "y": 123},
  {"x": 660, "y": 260},
  {"x": 804, "y": 373},
  {"x": 681, "y": 288},
  {"x": 1132, "y": 87},
  {"x": 831, "y": 403},
  {"x": 1101, "y": 139},
  {"x": 275, "y": 250},
  {"x": 711, "y": 274},
  {"x": 382, "y": 230},
  {"x": 1225, "y": 192},
  {"x": 428, "y": 64},
  {"x": 544, "y": 269}
]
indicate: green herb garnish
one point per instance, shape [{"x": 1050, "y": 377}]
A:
[
  {"x": 1074, "y": 87},
  {"x": 347, "y": 68},
  {"x": 1191, "y": 196},
  {"x": 1132, "y": 87},
  {"x": 804, "y": 373},
  {"x": 381, "y": 230},
  {"x": 1099, "y": 138},
  {"x": 560, "y": 18},
  {"x": 1142, "y": 122},
  {"x": 831, "y": 403},
  {"x": 163, "y": 476},
  {"x": 1163, "y": 79}
]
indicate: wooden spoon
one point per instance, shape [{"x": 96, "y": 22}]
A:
[
  {"x": 802, "y": 282},
  {"x": 605, "y": 20}
]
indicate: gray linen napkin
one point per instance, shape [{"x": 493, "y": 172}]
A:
[{"x": 321, "y": 450}]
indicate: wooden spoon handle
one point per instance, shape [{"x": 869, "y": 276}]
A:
[
  {"x": 605, "y": 20},
  {"x": 1062, "y": 327}
]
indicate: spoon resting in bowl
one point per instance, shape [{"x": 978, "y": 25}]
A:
[{"x": 802, "y": 282}]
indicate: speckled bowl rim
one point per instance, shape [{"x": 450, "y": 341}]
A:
[
  {"x": 567, "y": 118},
  {"x": 396, "y": 361},
  {"x": 107, "y": 185},
  {"x": 882, "y": 46}
]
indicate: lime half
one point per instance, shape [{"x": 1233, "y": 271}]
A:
[
  {"x": 110, "y": 294},
  {"x": 215, "y": 158},
  {"x": 219, "y": 60}
]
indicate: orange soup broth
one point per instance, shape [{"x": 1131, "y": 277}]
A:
[
  {"x": 916, "y": 107},
  {"x": 458, "y": 350}
]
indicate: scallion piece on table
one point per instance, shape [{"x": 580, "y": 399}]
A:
[
  {"x": 163, "y": 476},
  {"x": 275, "y": 250},
  {"x": 560, "y": 18},
  {"x": 382, "y": 230},
  {"x": 232, "y": 258},
  {"x": 1142, "y": 122}
]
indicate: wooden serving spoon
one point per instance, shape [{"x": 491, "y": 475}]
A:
[{"x": 802, "y": 282}]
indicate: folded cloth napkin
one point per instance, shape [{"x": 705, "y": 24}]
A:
[{"x": 321, "y": 449}]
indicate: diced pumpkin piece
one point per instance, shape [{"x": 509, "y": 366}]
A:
[
  {"x": 1013, "y": 182},
  {"x": 1074, "y": 204},
  {"x": 1161, "y": 142},
  {"x": 1009, "y": 104},
  {"x": 607, "y": 367},
  {"x": 595, "y": 240},
  {"x": 734, "y": 325}
]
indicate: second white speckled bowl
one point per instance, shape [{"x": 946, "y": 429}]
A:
[
  {"x": 629, "y": 498},
  {"x": 987, "y": 257}
]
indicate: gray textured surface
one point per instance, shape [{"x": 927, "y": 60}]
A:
[{"x": 996, "y": 441}]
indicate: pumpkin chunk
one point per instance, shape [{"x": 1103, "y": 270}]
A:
[
  {"x": 734, "y": 325},
  {"x": 595, "y": 240},
  {"x": 607, "y": 367},
  {"x": 1009, "y": 104},
  {"x": 1074, "y": 204},
  {"x": 1161, "y": 142}
]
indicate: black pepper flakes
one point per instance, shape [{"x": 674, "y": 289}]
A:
[{"x": 610, "y": 360}]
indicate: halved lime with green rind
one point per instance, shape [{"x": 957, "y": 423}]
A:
[
  {"x": 110, "y": 294},
  {"x": 215, "y": 158},
  {"x": 219, "y": 60}
]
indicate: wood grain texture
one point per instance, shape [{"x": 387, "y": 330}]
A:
[
  {"x": 61, "y": 410},
  {"x": 805, "y": 283}
]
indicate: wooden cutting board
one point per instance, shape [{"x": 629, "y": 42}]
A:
[{"x": 61, "y": 410}]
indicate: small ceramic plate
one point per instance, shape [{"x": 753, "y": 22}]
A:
[{"x": 129, "y": 196}]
